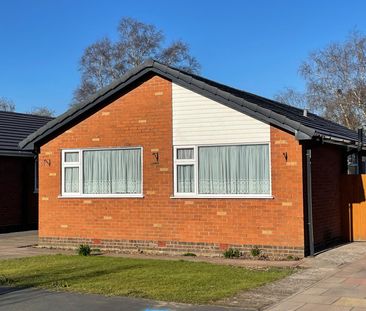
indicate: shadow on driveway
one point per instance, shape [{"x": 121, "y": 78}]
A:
[{"x": 30, "y": 299}]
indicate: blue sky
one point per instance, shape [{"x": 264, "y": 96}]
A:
[{"x": 253, "y": 45}]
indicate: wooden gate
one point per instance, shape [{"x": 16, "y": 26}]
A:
[{"x": 354, "y": 202}]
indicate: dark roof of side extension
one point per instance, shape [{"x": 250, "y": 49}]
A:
[
  {"x": 14, "y": 127},
  {"x": 286, "y": 117}
]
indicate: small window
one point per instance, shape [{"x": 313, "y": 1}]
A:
[
  {"x": 102, "y": 172},
  {"x": 71, "y": 156},
  {"x": 185, "y": 153},
  {"x": 185, "y": 178},
  {"x": 71, "y": 180},
  {"x": 185, "y": 170}
]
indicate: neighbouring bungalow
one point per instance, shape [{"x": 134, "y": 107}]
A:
[
  {"x": 18, "y": 188},
  {"x": 164, "y": 160}
]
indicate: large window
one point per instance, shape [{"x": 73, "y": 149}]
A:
[
  {"x": 102, "y": 172},
  {"x": 213, "y": 171}
]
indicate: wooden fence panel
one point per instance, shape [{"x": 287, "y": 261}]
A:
[{"x": 354, "y": 202}]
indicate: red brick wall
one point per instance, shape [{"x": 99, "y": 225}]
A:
[
  {"x": 326, "y": 162},
  {"x": 142, "y": 117},
  {"x": 18, "y": 203}
]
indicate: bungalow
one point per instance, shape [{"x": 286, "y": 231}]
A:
[
  {"x": 165, "y": 160},
  {"x": 18, "y": 188}
]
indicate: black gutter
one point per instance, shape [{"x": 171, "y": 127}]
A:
[
  {"x": 309, "y": 203},
  {"x": 16, "y": 153}
]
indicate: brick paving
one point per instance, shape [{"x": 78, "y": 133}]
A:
[
  {"x": 20, "y": 244},
  {"x": 342, "y": 288}
]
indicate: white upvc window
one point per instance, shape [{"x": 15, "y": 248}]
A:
[
  {"x": 185, "y": 170},
  {"x": 207, "y": 171},
  {"x": 103, "y": 172}
]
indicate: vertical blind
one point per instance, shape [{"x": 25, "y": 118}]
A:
[{"x": 234, "y": 170}]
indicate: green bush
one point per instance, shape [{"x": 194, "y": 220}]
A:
[
  {"x": 5, "y": 280},
  {"x": 84, "y": 250},
  {"x": 190, "y": 254},
  {"x": 232, "y": 253},
  {"x": 255, "y": 251}
]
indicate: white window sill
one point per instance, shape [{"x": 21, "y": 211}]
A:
[
  {"x": 101, "y": 196},
  {"x": 210, "y": 196}
]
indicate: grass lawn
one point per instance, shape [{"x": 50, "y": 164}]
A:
[{"x": 179, "y": 281}]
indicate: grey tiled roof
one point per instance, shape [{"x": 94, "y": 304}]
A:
[
  {"x": 14, "y": 127},
  {"x": 283, "y": 116},
  {"x": 320, "y": 125}
]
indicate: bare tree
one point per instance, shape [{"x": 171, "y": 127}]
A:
[
  {"x": 336, "y": 81},
  {"x": 6, "y": 104},
  {"x": 43, "y": 111},
  {"x": 105, "y": 61},
  {"x": 291, "y": 97}
]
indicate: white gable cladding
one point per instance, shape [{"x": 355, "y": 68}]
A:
[{"x": 200, "y": 120}]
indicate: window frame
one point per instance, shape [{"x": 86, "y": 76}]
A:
[
  {"x": 79, "y": 164},
  {"x": 195, "y": 162},
  {"x": 178, "y": 162}
]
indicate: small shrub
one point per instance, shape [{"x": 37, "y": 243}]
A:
[
  {"x": 84, "y": 250},
  {"x": 190, "y": 254},
  {"x": 59, "y": 284},
  {"x": 5, "y": 280},
  {"x": 255, "y": 251},
  {"x": 292, "y": 258},
  {"x": 232, "y": 253}
]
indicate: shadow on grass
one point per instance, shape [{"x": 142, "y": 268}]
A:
[
  {"x": 57, "y": 278},
  {"x": 23, "y": 287}
]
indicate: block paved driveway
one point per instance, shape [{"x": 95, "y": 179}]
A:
[
  {"x": 342, "y": 289},
  {"x": 17, "y": 244}
]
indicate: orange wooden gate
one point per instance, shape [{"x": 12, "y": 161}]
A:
[{"x": 354, "y": 201}]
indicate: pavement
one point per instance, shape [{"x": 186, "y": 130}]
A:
[
  {"x": 19, "y": 244},
  {"x": 334, "y": 280},
  {"x": 341, "y": 284}
]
